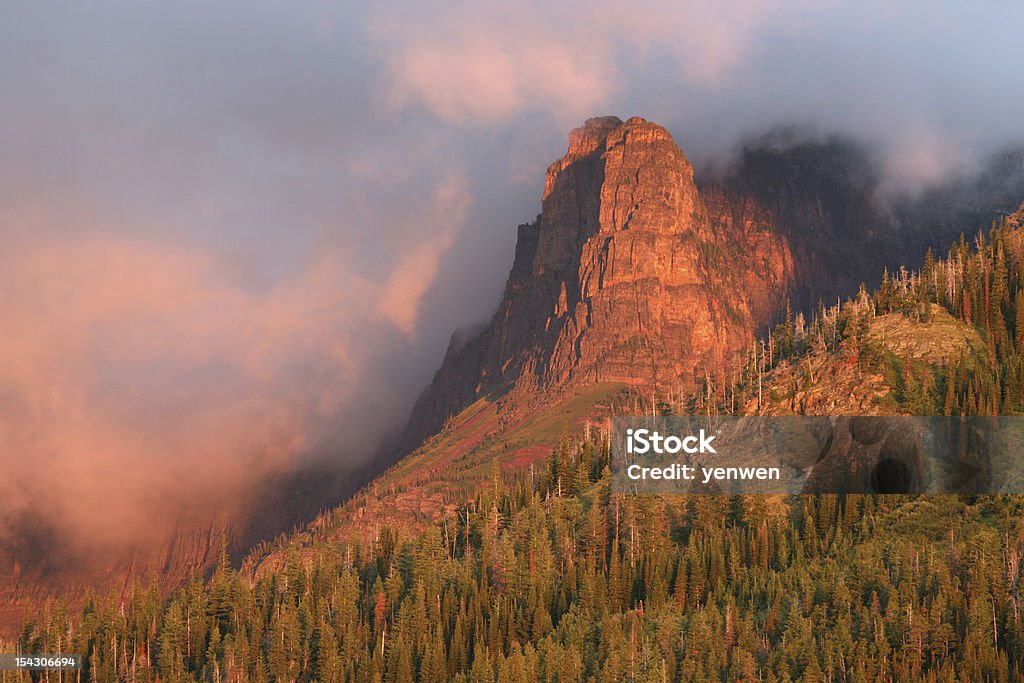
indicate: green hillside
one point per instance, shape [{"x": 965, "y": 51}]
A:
[{"x": 489, "y": 555}]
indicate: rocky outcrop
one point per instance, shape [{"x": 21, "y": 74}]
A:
[
  {"x": 634, "y": 273},
  {"x": 628, "y": 275}
]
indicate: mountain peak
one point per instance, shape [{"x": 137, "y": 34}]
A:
[
  {"x": 634, "y": 274},
  {"x": 622, "y": 279},
  {"x": 606, "y": 133},
  {"x": 602, "y": 132},
  {"x": 614, "y": 176},
  {"x": 591, "y": 135}
]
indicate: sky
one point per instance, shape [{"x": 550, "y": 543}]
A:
[{"x": 237, "y": 236}]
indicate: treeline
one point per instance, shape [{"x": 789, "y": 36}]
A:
[
  {"x": 561, "y": 580},
  {"x": 980, "y": 283}
]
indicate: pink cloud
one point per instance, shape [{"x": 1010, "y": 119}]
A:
[
  {"x": 417, "y": 268},
  {"x": 140, "y": 380},
  {"x": 481, "y": 63}
]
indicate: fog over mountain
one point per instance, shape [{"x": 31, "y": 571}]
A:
[{"x": 237, "y": 237}]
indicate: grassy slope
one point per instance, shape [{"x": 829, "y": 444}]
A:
[{"x": 447, "y": 470}]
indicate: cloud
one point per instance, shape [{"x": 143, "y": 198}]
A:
[
  {"x": 483, "y": 63},
  {"x": 136, "y": 377},
  {"x": 919, "y": 84},
  {"x": 140, "y": 378},
  {"x": 417, "y": 268},
  {"x": 925, "y": 156}
]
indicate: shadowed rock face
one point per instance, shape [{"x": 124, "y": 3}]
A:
[
  {"x": 825, "y": 195},
  {"x": 628, "y": 275}
]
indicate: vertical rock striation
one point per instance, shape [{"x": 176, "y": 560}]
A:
[{"x": 628, "y": 275}]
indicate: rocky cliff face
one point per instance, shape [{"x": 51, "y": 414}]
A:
[
  {"x": 635, "y": 273},
  {"x": 628, "y": 275}
]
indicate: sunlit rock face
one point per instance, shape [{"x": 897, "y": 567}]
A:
[{"x": 628, "y": 275}]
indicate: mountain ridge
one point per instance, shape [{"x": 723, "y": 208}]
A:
[{"x": 637, "y": 271}]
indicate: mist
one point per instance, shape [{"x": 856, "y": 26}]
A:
[{"x": 235, "y": 238}]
